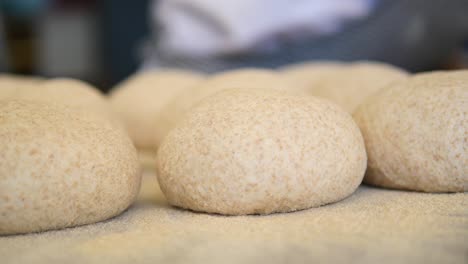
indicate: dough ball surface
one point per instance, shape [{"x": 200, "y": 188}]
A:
[
  {"x": 10, "y": 83},
  {"x": 61, "y": 167},
  {"x": 247, "y": 78},
  {"x": 351, "y": 85},
  {"x": 306, "y": 75},
  {"x": 259, "y": 151},
  {"x": 70, "y": 92},
  {"x": 138, "y": 101},
  {"x": 416, "y": 133},
  {"x": 348, "y": 85}
]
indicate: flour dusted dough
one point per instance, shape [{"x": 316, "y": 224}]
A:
[
  {"x": 248, "y": 78},
  {"x": 416, "y": 133},
  {"x": 61, "y": 167},
  {"x": 139, "y": 100},
  {"x": 259, "y": 151}
]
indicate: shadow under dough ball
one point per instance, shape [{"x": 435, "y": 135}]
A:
[
  {"x": 415, "y": 132},
  {"x": 62, "y": 167},
  {"x": 259, "y": 151}
]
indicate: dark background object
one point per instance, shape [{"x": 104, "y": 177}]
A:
[
  {"x": 417, "y": 35},
  {"x": 18, "y": 20},
  {"x": 124, "y": 26},
  {"x": 21, "y": 40}
]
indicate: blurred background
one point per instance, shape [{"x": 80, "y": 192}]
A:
[{"x": 104, "y": 42}]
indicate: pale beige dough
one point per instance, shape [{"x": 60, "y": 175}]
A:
[
  {"x": 147, "y": 158},
  {"x": 415, "y": 132},
  {"x": 9, "y": 84},
  {"x": 139, "y": 100},
  {"x": 260, "y": 151},
  {"x": 247, "y": 78},
  {"x": 62, "y": 167},
  {"x": 372, "y": 226},
  {"x": 345, "y": 84},
  {"x": 306, "y": 75},
  {"x": 70, "y": 92}
]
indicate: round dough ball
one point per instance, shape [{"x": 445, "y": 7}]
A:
[
  {"x": 247, "y": 78},
  {"x": 61, "y": 167},
  {"x": 20, "y": 79},
  {"x": 9, "y": 84},
  {"x": 6, "y": 90},
  {"x": 348, "y": 85},
  {"x": 351, "y": 85},
  {"x": 139, "y": 100},
  {"x": 416, "y": 133},
  {"x": 259, "y": 152},
  {"x": 70, "y": 92},
  {"x": 306, "y": 75}
]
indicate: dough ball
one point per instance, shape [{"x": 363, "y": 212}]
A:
[
  {"x": 305, "y": 76},
  {"x": 70, "y": 92},
  {"x": 248, "y": 78},
  {"x": 259, "y": 151},
  {"x": 139, "y": 100},
  {"x": 415, "y": 132},
  {"x": 6, "y": 90},
  {"x": 61, "y": 167},
  {"x": 9, "y": 84},
  {"x": 348, "y": 85},
  {"x": 351, "y": 85}
]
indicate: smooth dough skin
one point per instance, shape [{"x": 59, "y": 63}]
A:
[
  {"x": 138, "y": 102},
  {"x": 7, "y": 86},
  {"x": 258, "y": 151},
  {"x": 61, "y": 167},
  {"x": 241, "y": 78},
  {"x": 305, "y": 76},
  {"x": 6, "y": 91},
  {"x": 10, "y": 83},
  {"x": 416, "y": 133}
]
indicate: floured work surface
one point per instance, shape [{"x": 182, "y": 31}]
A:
[{"x": 372, "y": 226}]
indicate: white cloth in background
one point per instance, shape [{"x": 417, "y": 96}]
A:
[{"x": 194, "y": 28}]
